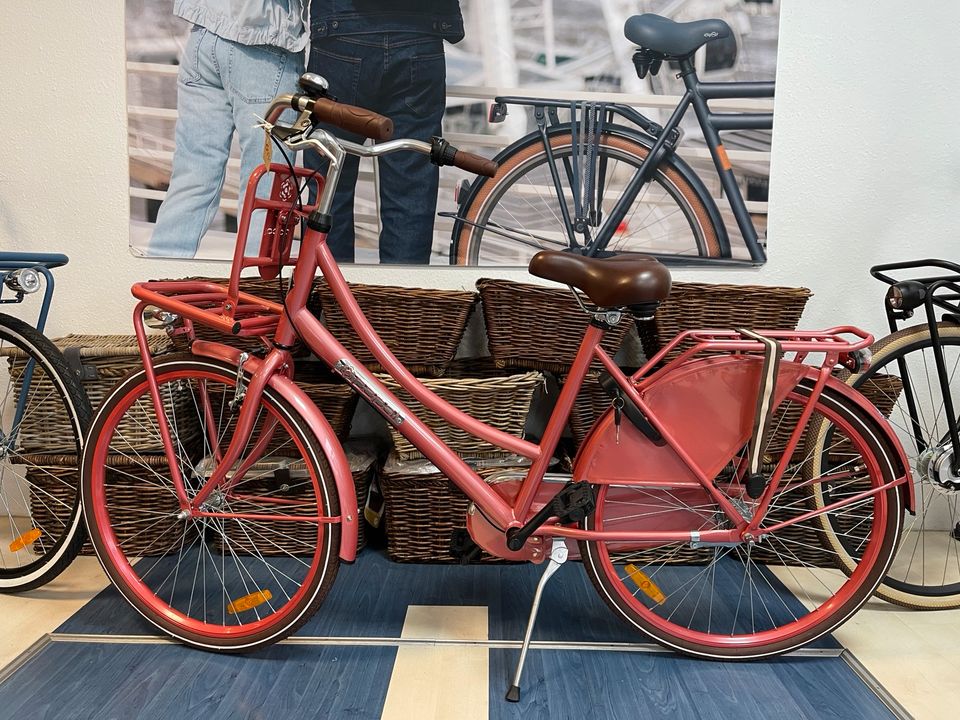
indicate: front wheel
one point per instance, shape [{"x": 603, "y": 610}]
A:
[
  {"x": 925, "y": 574},
  {"x": 44, "y": 414},
  {"x": 261, "y": 556},
  {"x": 517, "y": 213},
  {"x": 741, "y": 601}
]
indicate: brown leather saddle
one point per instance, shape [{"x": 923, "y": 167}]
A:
[{"x": 619, "y": 281}]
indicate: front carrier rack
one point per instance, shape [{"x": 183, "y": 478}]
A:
[{"x": 180, "y": 303}]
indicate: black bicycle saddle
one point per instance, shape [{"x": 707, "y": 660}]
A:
[{"x": 673, "y": 39}]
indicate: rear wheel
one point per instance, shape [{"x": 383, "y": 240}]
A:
[
  {"x": 515, "y": 214},
  {"x": 742, "y": 602},
  {"x": 260, "y": 560}
]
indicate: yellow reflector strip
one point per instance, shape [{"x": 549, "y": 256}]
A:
[
  {"x": 249, "y": 601},
  {"x": 28, "y": 537},
  {"x": 643, "y": 582}
]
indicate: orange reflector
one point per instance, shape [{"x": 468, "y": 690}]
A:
[
  {"x": 249, "y": 601},
  {"x": 724, "y": 159},
  {"x": 28, "y": 537},
  {"x": 646, "y": 584}
]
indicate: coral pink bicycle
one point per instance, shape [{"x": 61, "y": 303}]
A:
[{"x": 690, "y": 501}]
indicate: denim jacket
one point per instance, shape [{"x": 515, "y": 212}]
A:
[
  {"x": 249, "y": 22},
  {"x": 357, "y": 17}
]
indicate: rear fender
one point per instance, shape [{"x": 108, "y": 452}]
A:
[{"x": 291, "y": 392}]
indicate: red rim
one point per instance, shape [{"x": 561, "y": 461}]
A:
[{"x": 126, "y": 577}]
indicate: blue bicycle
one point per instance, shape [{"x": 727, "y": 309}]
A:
[{"x": 44, "y": 415}]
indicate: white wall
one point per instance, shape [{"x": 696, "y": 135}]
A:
[{"x": 866, "y": 156}]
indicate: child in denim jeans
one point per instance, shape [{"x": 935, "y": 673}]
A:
[{"x": 241, "y": 54}]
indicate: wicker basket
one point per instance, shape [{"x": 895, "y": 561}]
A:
[
  {"x": 335, "y": 399},
  {"x": 535, "y": 327},
  {"x": 590, "y": 404},
  {"x": 105, "y": 360},
  {"x": 131, "y": 487},
  {"x": 481, "y": 390},
  {"x": 423, "y": 327},
  {"x": 694, "y": 306},
  {"x": 881, "y": 390},
  {"x": 294, "y": 538},
  {"x": 423, "y": 509}
]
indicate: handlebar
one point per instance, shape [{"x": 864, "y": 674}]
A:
[
  {"x": 361, "y": 122},
  {"x": 351, "y": 118}
]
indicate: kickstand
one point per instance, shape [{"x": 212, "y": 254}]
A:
[{"x": 558, "y": 556}]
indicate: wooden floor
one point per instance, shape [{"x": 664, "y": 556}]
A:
[{"x": 412, "y": 641}]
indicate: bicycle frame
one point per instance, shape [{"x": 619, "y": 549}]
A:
[
  {"x": 506, "y": 505},
  {"x": 666, "y": 138}
]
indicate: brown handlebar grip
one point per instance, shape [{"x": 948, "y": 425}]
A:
[
  {"x": 353, "y": 119},
  {"x": 475, "y": 163}
]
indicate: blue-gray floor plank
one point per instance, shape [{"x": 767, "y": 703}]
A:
[
  {"x": 160, "y": 681},
  {"x": 109, "y": 680},
  {"x": 370, "y": 599},
  {"x": 629, "y": 685}
]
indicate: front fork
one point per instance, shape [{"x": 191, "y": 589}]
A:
[{"x": 249, "y": 398}]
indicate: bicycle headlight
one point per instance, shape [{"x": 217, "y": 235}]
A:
[
  {"x": 906, "y": 295},
  {"x": 24, "y": 280}
]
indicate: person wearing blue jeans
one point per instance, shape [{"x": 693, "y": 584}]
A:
[
  {"x": 240, "y": 55},
  {"x": 387, "y": 56}
]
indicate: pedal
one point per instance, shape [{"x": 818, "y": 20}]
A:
[
  {"x": 574, "y": 503},
  {"x": 463, "y": 548}
]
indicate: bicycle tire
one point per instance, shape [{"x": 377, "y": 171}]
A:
[
  {"x": 519, "y": 164},
  {"x": 244, "y": 579},
  {"x": 902, "y": 586},
  {"x": 785, "y": 600},
  {"x": 42, "y": 510}
]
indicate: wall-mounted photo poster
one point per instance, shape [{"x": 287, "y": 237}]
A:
[{"x": 619, "y": 126}]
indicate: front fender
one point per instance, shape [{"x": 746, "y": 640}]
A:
[{"x": 291, "y": 392}]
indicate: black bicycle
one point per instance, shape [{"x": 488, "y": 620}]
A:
[
  {"x": 911, "y": 379},
  {"x": 592, "y": 184}
]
